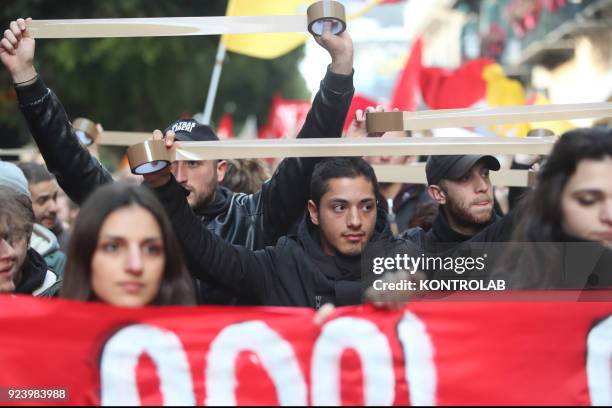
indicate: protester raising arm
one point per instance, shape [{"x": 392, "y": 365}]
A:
[
  {"x": 77, "y": 172},
  {"x": 243, "y": 271},
  {"x": 282, "y": 200}
]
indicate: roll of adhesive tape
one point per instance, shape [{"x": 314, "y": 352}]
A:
[
  {"x": 148, "y": 157},
  {"x": 86, "y": 130},
  {"x": 326, "y": 11}
]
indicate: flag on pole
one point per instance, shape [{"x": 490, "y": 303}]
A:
[
  {"x": 268, "y": 45},
  {"x": 274, "y": 45}
]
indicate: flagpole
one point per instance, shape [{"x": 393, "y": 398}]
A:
[{"x": 214, "y": 83}]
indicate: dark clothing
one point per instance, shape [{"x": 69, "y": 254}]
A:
[
  {"x": 36, "y": 278},
  {"x": 294, "y": 272},
  {"x": 406, "y": 202},
  {"x": 569, "y": 263},
  {"x": 517, "y": 194},
  {"x": 254, "y": 220},
  {"x": 442, "y": 237}
]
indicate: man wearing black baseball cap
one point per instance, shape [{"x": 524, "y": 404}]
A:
[{"x": 461, "y": 186}]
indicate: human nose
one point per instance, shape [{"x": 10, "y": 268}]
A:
[
  {"x": 7, "y": 252},
  {"x": 482, "y": 184},
  {"x": 134, "y": 261},
  {"x": 354, "y": 218},
  {"x": 179, "y": 173},
  {"x": 606, "y": 212}
]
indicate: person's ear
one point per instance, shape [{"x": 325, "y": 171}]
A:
[
  {"x": 313, "y": 212},
  {"x": 221, "y": 169},
  {"x": 437, "y": 194}
]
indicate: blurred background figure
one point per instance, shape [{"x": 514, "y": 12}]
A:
[
  {"x": 246, "y": 175},
  {"x": 44, "y": 190},
  {"x": 68, "y": 210}
]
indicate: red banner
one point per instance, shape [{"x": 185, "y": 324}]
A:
[{"x": 431, "y": 353}]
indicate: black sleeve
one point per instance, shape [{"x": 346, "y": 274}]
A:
[
  {"x": 209, "y": 257},
  {"x": 282, "y": 199},
  {"x": 76, "y": 170},
  {"x": 517, "y": 194}
]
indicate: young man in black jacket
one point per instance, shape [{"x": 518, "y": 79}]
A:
[
  {"x": 254, "y": 220},
  {"x": 460, "y": 184},
  {"x": 321, "y": 264}
]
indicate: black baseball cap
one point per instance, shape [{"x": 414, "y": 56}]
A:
[
  {"x": 455, "y": 166},
  {"x": 190, "y": 130}
]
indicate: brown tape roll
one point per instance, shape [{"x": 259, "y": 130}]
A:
[
  {"x": 326, "y": 11},
  {"x": 149, "y": 157},
  {"x": 384, "y": 121},
  {"x": 86, "y": 130}
]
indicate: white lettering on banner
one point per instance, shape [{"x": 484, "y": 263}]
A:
[
  {"x": 420, "y": 368},
  {"x": 276, "y": 354},
  {"x": 599, "y": 361},
  {"x": 120, "y": 359},
  {"x": 374, "y": 351}
]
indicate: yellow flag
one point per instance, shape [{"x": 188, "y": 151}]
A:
[
  {"x": 502, "y": 91},
  {"x": 557, "y": 127},
  {"x": 273, "y": 45},
  {"x": 268, "y": 45}
]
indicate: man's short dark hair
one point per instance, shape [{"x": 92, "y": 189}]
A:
[
  {"x": 339, "y": 167},
  {"x": 35, "y": 173}
]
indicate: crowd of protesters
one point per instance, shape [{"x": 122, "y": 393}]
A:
[{"x": 219, "y": 232}]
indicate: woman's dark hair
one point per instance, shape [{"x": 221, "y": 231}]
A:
[
  {"x": 541, "y": 217},
  {"x": 536, "y": 258},
  {"x": 176, "y": 287}
]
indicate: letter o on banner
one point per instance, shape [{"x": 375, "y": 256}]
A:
[
  {"x": 599, "y": 359},
  {"x": 275, "y": 353},
  {"x": 374, "y": 351},
  {"x": 120, "y": 358},
  {"x": 420, "y": 368}
]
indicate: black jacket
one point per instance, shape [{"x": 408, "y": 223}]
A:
[
  {"x": 406, "y": 202},
  {"x": 441, "y": 237},
  {"x": 37, "y": 279},
  {"x": 254, "y": 220},
  {"x": 294, "y": 272}
]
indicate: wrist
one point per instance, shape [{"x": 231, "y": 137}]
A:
[
  {"x": 343, "y": 66},
  {"x": 24, "y": 76}
]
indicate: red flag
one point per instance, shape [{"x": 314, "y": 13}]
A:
[
  {"x": 407, "y": 86},
  {"x": 226, "y": 127},
  {"x": 358, "y": 102},
  {"x": 449, "y": 89},
  {"x": 285, "y": 119}
]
